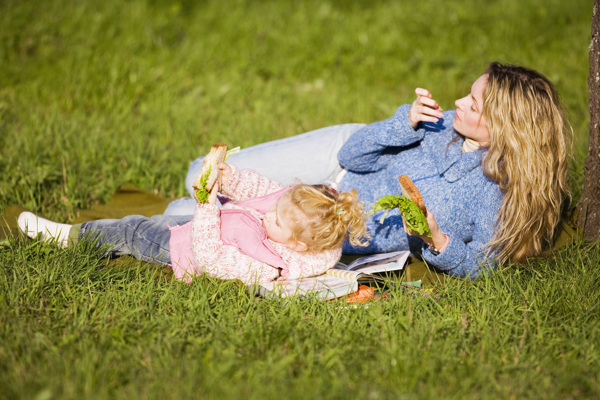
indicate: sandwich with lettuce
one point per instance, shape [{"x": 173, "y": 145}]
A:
[
  {"x": 411, "y": 206},
  {"x": 210, "y": 174}
]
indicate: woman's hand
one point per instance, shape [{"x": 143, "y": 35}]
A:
[
  {"x": 438, "y": 239},
  {"x": 424, "y": 109}
]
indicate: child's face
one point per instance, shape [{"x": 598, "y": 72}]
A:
[{"x": 278, "y": 224}]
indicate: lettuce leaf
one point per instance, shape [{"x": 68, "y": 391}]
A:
[
  {"x": 202, "y": 194},
  {"x": 413, "y": 216}
]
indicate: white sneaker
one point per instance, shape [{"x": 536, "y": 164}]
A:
[{"x": 52, "y": 232}]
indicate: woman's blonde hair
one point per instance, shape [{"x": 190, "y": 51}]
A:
[
  {"x": 530, "y": 147},
  {"x": 326, "y": 217}
]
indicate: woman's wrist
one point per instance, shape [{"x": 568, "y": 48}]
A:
[{"x": 438, "y": 242}]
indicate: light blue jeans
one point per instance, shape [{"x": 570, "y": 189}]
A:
[
  {"x": 145, "y": 238},
  {"x": 309, "y": 158}
]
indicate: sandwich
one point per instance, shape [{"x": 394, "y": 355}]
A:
[
  {"x": 210, "y": 174},
  {"x": 411, "y": 206}
]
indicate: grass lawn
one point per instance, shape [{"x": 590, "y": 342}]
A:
[{"x": 98, "y": 94}]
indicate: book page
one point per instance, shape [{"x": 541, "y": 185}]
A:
[
  {"x": 326, "y": 286},
  {"x": 344, "y": 274},
  {"x": 380, "y": 262}
]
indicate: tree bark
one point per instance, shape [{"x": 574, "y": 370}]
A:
[{"x": 589, "y": 204}]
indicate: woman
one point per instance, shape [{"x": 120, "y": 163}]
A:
[{"x": 493, "y": 173}]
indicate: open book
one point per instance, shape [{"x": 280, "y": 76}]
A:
[
  {"x": 332, "y": 284},
  {"x": 378, "y": 263},
  {"x": 338, "y": 281}
]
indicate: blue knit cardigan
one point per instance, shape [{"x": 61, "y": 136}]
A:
[{"x": 463, "y": 200}]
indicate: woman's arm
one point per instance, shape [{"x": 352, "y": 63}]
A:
[
  {"x": 468, "y": 260},
  {"x": 368, "y": 150}
]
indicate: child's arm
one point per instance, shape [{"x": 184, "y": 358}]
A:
[
  {"x": 308, "y": 263},
  {"x": 246, "y": 184},
  {"x": 219, "y": 260}
]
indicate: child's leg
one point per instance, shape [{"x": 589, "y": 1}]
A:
[
  {"x": 145, "y": 238},
  {"x": 51, "y": 232}
]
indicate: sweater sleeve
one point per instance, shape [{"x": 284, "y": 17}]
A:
[
  {"x": 367, "y": 149},
  {"x": 471, "y": 259},
  {"x": 218, "y": 260},
  {"x": 306, "y": 264},
  {"x": 247, "y": 184}
]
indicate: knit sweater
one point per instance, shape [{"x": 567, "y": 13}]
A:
[
  {"x": 216, "y": 259},
  {"x": 453, "y": 185}
]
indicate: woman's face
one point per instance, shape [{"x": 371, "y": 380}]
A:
[{"x": 468, "y": 120}]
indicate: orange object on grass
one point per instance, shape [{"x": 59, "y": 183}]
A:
[{"x": 362, "y": 295}]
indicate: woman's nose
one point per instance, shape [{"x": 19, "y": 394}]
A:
[{"x": 458, "y": 103}]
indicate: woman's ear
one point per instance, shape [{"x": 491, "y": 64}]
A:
[{"x": 298, "y": 246}]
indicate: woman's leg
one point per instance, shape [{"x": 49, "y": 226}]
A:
[
  {"x": 309, "y": 157},
  {"x": 145, "y": 238}
]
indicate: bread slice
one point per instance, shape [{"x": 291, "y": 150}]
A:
[
  {"x": 216, "y": 155},
  {"x": 410, "y": 190}
]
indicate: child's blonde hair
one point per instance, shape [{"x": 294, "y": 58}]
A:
[{"x": 322, "y": 217}]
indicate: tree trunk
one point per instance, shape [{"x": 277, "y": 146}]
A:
[{"x": 589, "y": 204}]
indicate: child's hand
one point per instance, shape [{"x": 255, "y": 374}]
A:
[
  {"x": 424, "y": 108},
  {"x": 225, "y": 173},
  {"x": 212, "y": 198}
]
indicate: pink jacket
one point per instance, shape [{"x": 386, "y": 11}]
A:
[{"x": 198, "y": 247}]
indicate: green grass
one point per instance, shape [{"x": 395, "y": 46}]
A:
[{"x": 97, "y": 94}]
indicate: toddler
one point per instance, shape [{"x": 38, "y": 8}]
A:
[{"x": 263, "y": 231}]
